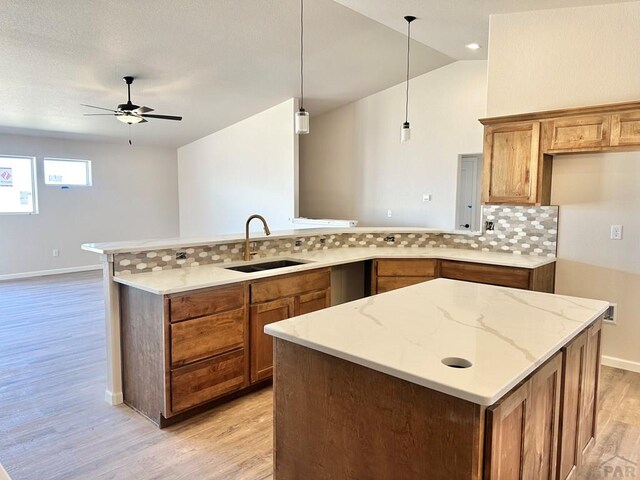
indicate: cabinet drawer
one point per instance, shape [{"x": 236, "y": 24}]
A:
[
  {"x": 204, "y": 337},
  {"x": 407, "y": 267},
  {"x": 206, "y": 303},
  {"x": 207, "y": 380},
  {"x": 579, "y": 132},
  {"x": 312, "y": 301},
  {"x": 290, "y": 285},
  {"x": 491, "y": 274},
  {"x": 386, "y": 284}
]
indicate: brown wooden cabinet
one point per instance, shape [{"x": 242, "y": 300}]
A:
[
  {"x": 519, "y": 149},
  {"x": 522, "y": 429},
  {"x": 389, "y": 274},
  {"x": 279, "y": 298},
  {"x": 183, "y": 350},
  {"x": 625, "y": 129},
  {"x": 511, "y": 154},
  {"x": 581, "y": 372},
  {"x": 576, "y": 134}
]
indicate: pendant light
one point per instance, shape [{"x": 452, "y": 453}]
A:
[
  {"x": 301, "y": 119},
  {"x": 405, "y": 133}
]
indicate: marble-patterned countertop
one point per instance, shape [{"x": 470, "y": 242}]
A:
[
  {"x": 191, "y": 278},
  {"x": 151, "y": 244},
  {"x": 505, "y": 333}
]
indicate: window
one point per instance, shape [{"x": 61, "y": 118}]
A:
[
  {"x": 17, "y": 185},
  {"x": 59, "y": 171}
]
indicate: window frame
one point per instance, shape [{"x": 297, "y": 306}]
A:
[
  {"x": 34, "y": 185},
  {"x": 89, "y": 172}
]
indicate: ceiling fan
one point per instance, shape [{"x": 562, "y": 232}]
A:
[{"x": 129, "y": 112}]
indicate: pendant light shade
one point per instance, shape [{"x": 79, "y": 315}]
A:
[
  {"x": 405, "y": 132},
  {"x": 301, "y": 120}
]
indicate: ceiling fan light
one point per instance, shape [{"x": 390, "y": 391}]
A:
[
  {"x": 128, "y": 118},
  {"x": 302, "y": 122}
]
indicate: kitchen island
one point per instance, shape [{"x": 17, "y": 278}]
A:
[{"x": 443, "y": 379}]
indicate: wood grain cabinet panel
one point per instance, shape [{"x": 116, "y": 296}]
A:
[
  {"x": 206, "y": 303},
  {"x": 203, "y": 337},
  {"x": 625, "y": 129},
  {"x": 204, "y": 381},
  {"x": 386, "y": 284},
  {"x": 522, "y": 429},
  {"x": 262, "y": 344},
  {"x": 589, "y": 405},
  {"x": 406, "y": 267},
  {"x": 290, "y": 285},
  {"x": 490, "y": 274},
  {"x": 511, "y": 155},
  {"x": 579, "y": 133},
  {"x": 312, "y": 301}
]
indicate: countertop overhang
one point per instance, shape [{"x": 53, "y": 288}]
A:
[
  {"x": 179, "y": 280},
  {"x": 505, "y": 333}
]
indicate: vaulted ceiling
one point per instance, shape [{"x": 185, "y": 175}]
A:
[{"x": 215, "y": 62}]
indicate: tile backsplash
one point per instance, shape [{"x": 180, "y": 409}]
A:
[{"x": 520, "y": 230}]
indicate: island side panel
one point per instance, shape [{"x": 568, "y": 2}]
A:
[
  {"x": 335, "y": 419},
  {"x": 142, "y": 333}
]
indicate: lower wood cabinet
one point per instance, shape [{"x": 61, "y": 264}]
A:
[
  {"x": 522, "y": 429},
  {"x": 275, "y": 299},
  {"x": 581, "y": 371},
  {"x": 390, "y": 274}
]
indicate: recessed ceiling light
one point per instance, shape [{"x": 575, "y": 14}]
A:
[{"x": 473, "y": 46}]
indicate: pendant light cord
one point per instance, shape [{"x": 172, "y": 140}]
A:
[
  {"x": 406, "y": 107},
  {"x": 301, "y": 54}
]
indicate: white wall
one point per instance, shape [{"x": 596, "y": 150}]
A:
[
  {"x": 576, "y": 57},
  {"x": 134, "y": 195},
  {"x": 249, "y": 167},
  {"x": 352, "y": 164}
]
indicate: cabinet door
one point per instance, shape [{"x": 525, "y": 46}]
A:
[
  {"x": 579, "y": 133},
  {"x": 482, "y": 273},
  {"x": 312, "y": 301},
  {"x": 588, "y": 414},
  {"x": 511, "y": 154},
  {"x": 262, "y": 344},
  {"x": 506, "y": 435},
  {"x": 573, "y": 372},
  {"x": 522, "y": 430},
  {"x": 625, "y": 129}
]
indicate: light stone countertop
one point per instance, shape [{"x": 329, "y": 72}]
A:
[
  {"x": 191, "y": 278},
  {"x": 150, "y": 244},
  {"x": 505, "y": 333}
]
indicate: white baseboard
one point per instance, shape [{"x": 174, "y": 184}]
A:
[
  {"x": 113, "y": 398},
  {"x": 56, "y": 271},
  {"x": 621, "y": 363}
]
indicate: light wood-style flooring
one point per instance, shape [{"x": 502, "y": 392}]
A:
[{"x": 54, "y": 423}]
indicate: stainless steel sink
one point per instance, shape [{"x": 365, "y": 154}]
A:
[{"x": 261, "y": 267}]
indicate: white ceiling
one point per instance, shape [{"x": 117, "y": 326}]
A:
[
  {"x": 214, "y": 62},
  {"x": 449, "y": 25}
]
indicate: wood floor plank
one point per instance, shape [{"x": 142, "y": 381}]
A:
[{"x": 54, "y": 423}]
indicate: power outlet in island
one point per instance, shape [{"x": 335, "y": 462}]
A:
[{"x": 611, "y": 315}]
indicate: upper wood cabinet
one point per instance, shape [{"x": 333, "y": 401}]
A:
[
  {"x": 575, "y": 134},
  {"x": 625, "y": 129},
  {"x": 519, "y": 149},
  {"x": 511, "y": 154}
]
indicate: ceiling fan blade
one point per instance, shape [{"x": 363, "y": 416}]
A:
[
  {"x": 100, "y": 108},
  {"x": 163, "y": 117},
  {"x": 141, "y": 110},
  {"x": 100, "y": 114}
]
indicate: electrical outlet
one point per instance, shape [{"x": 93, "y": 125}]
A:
[
  {"x": 426, "y": 197},
  {"x": 611, "y": 315},
  {"x": 616, "y": 232},
  {"x": 298, "y": 243},
  {"x": 389, "y": 213},
  {"x": 181, "y": 255},
  {"x": 323, "y": 241},
  {"x": 56, "y": 252},
  {"x": 390, "y": 238},
  {"x": 488, "y": 226}
]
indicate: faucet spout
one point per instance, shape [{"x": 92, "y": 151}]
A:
[{"x": 247, "y": 246}]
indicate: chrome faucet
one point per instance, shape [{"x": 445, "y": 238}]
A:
[{"x": 247, "y": 247}]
